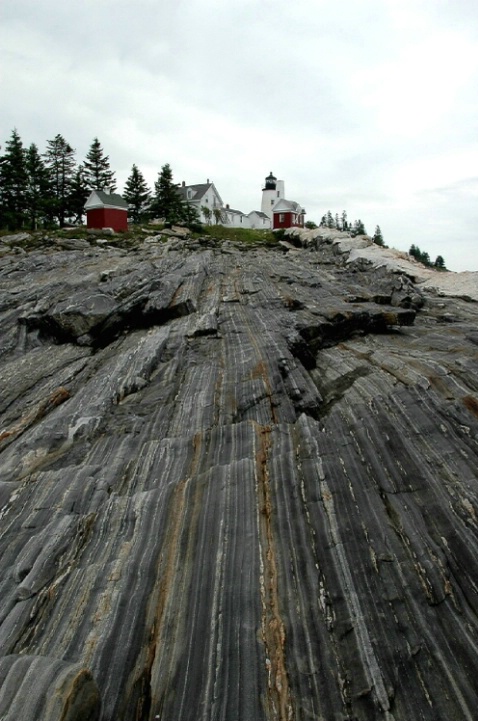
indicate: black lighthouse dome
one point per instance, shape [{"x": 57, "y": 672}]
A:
[{"x": 271, "y": 182}]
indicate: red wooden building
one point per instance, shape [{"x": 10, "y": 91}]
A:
[
  {"x": 106, "y": 210},
  {"x": 287, "y": 214}
]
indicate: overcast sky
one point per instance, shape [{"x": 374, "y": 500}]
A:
[{"x": 369, "y": 106}]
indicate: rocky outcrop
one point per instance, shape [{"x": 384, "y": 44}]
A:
[
  {"x": 46, "y": 688},
  {"x": 236, "y": 483}
]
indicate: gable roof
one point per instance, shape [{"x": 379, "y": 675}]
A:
[
  {"x": 259, "y": 213},
  {"x": 103, "y": 199},
  {"x": 284, "y": 205},
  {"x": 199, "y": 191}
]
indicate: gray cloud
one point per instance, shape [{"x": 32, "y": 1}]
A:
[{"x": 365, "y": 106}]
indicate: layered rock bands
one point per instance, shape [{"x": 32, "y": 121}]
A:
[{"x": 236, "y": 485}]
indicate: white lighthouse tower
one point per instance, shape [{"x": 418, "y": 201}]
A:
[{"x": 272, "y": 191}]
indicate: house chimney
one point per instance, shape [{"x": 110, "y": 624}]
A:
[
  {"x": 183, "y": 183},
  {"x": 207, "y": 181},
  {"x": 227, "y": 206}
]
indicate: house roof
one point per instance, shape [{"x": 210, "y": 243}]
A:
[
  {"x": 284, "y": 205},
  {"x": 231, "y": 210},
  {"x": 199, "y": 191},
  {"x": 259, "y": 213},
  {"x": 101, "y": 199}
]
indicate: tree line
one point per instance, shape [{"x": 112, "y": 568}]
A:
[
  {"x": 341, "y": 223},
  {"x": 423, "y": 257},
  {"x": 41, "y": 190},
  {"x": 357, "y": 228}
]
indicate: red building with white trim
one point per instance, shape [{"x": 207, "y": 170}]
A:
[
  {"x": 287, "y": 214},
  {"x": 106, "y": 210}
]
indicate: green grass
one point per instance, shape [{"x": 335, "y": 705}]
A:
[{"x": 135, "y": 236}]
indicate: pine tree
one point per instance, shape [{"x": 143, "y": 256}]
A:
[
  {"x": 167, "y": 203},
  {"x": 378, "y": 237},
  {"x": 344, "y": 224},
  {"x": 440, "y": 263},
  {"x": 137, "y": 194},
  {"x": 329, "y": 221},
  {"x": 78, "y": 194},
  {"x": 358, "y": 228},
  {"x": 98, "y": 174},
  {"x": 60, "y": 163},
  {"x": 191, "y": 215},
  {"x": 38, "y": 193},
  {"x": 13, "y": 184}
]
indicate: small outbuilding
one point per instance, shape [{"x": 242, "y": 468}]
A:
[
  {"x": 106, "y": 210},
  {"x": 287, "y": 214}
]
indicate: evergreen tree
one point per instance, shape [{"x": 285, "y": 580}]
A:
[
  {"x": 60, "y": 163},
  {"x": 78, "y": 194},
  {"x": 38, "y": 187},
  {"x": 167, "y": 203},
  {"x": 344, "y": 224},
  {"x": 329, "y": 220},
  {"x": 13, "y": 184},
  {"x": 358, "y": 228},
  {"x": 337, "y": 222},
  {"x": 378, "y": 237},
  {"x": 423, "y": 257},
  {"x": 137, "y": 194},
  {"x": 98, "y": 174},
  {"x": 191, "y": 215}
]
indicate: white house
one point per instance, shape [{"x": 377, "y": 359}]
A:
[
  {"x": 237, "y": 219},
  {"x": 202, "y": 195},
  {"x": 234, "y": 218},
  {"x": 259, "y": 220}
]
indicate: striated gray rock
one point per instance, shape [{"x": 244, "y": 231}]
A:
[
  {"x": 47, "y": 687},
  {"x": 236, "y": 484}
]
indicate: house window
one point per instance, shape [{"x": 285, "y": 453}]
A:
[
  {"x": 272, "y": 201},
  {"x": 277, "y": 193},
  {"x": 281, "y": 217}
]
